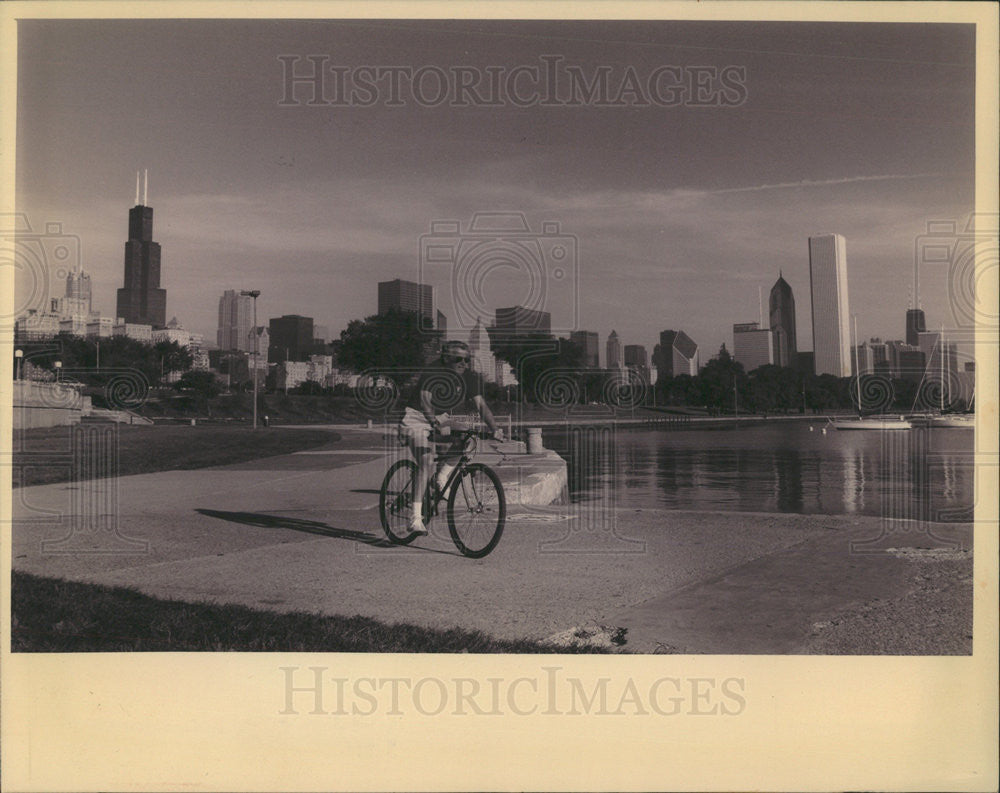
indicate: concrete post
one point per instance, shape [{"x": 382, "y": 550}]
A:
[{"x": 535, "y": 440}]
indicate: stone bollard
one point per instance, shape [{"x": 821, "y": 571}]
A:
[
  {"x": 369, "y": 423},
  {"x": 535, "y": 440},
  {"x": 193, "y": 422}
]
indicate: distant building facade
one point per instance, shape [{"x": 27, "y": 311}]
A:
[
  {"x": 781, "y": 308},
  {"x": 613, "y": 352},
  {"x": 589, "y": 342},
  {"x": 235, "y": 321},
  {"x": 521, "y": 321},
  {"x": 637, "y": 360},
  {"x": 408, "y": 296},
  {"x": 290, "y": 338},
  {"x": 676, "y": 354},
  {"x": 141, "y": 300},
  {"x": 830, "y": 306},
  {"x": 916, "y": 323},
  {"x": 753, "y": 346}
]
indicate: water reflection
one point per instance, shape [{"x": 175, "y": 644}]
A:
[{"x": 920, "y": 473}]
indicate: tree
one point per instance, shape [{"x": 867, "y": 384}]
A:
[
  {"x": 533, "y": 355},
  {"x": 203, "y": 384},
  {"x": 718, "y": 379},
  {"x": 392, "y": 343}
]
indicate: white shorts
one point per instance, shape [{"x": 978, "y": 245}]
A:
[{"x": 415, "y": 432}]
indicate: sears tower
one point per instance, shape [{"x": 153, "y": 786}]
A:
[{"x": 141, "y": 300}]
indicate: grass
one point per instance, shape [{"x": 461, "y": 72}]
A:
[
  {"x": 51, "y": 615},
  {"x": 147, "y": 449}
]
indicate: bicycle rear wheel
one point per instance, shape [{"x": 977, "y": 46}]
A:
[
  {"x": 395, "y": 501},
  {"x": 477, "y": 510}
]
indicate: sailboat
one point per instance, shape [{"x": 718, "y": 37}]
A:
[
  {"x": 955, "y": 421},
  {"x": 940, "y": 419},
  {"x": 870, "y": 422}
]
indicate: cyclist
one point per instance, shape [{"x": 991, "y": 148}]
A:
[{"x": 447, "y": 384}]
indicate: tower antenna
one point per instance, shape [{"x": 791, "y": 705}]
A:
[
  {"x": 760, "y": 307},
  {"x": 136, "y": 187},
  {"x": 145, "y": 187}
]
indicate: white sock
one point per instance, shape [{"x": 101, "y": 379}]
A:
[{"x": 442, "y": 475}]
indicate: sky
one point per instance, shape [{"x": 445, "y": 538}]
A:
[{"x": 669, "y": 214}]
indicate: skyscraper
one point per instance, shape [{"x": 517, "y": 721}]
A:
[
  {"x": 676, "y": 354},
  {"x": 916, "y": 324},
  {"x": 141, "y": 300},
  {"x": 408, "y": 296},
  {"x": 588, "y": 341},
  {"x": 830, "y": 308},
  {"x": 781, "y": 306},
  {"x": 613, "y": 348},
  {"x": 637, "y": 360},
  {"x": 752, "y": 345},
  {"x": 78, "y": 288},
  {"x": 518, "y": 321},
  {"x": 291, "y": 338},
  {"x": 235, "y": 321}
]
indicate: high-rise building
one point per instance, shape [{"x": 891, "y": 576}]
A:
[
  {"x": 753, "y": 346},
  {"x": 905, "y": 361},
  {"x": 235, "y": 321},
  {"x": 589, "y": 342},
  {"x": 939, "y": 354},
  {"x": 676, "y": 354},
  {"x": 408, "y": 296},
  {"x": 141, "y": 300},
  {"x": 290, "y": 338},
  {"x": 781, "y": 306},
  {"x": 519, "y": 321},
  {"x": 916, "y": 324},
  {"x": 78, "y": 288},
  {"x": 637, "y": 360},
  {"x": 483, "y": 360},
  {"x": 830, "y": 307},
  {"x": 613, "y": 350}
]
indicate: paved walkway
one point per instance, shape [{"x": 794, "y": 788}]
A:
[{"x": 301, "y": 532}]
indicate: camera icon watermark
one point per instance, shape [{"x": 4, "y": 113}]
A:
[
  {"x": 500, "y": 246},
  {"x": 969, "y": 256},
  {"x": 38, "y": 259}
]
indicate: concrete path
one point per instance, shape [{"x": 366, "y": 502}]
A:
[{"x": 301, "y": 532}]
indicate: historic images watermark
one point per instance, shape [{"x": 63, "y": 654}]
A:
[
  {"x": 503, "y": 244},
  {"x": 49, "y": 388},
  {"x": 38, "y": 259},
  {"x": 963, "y": 255},
  {"x": 320, "y": 691},
  {"x": 318, "y": 81}
]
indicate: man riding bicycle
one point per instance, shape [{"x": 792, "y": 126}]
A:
[{"x": 448, "y": 384}]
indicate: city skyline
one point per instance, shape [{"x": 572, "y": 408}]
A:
[{"x": 678, "y": 213}]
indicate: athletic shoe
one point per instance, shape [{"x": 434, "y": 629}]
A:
[{"x": 417, "y": 525}]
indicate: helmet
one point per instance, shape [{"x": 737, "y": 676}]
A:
[{"x": 452, "y": 351}]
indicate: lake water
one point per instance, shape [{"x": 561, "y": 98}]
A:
[{"x": 774, "y": 467}]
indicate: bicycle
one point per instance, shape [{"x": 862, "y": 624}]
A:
[{"x": 476, "y": 504}]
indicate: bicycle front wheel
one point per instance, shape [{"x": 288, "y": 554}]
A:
[
  {"x": 477, "y": 510},
  {"x": 395, "y": 502}
]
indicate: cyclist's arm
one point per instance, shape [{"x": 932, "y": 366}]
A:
[
  {"x": 427, "y": 407},
  {"x": 485, "y": 412}
]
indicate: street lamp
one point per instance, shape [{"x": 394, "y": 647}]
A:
[
  {"x": 58, "y": 365},
  {"x": 254, "y": 293},
  {"x": 18, "y": 355}
]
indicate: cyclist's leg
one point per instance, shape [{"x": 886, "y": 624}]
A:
[{"x": 417, "y": 433}]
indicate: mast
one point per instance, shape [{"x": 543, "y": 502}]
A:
[
  {"x": 857, "y": 367},
  {"x": 941, "y": 364}
]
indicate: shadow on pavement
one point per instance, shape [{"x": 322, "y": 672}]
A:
[
  {"x": 297, "y": 524},
  {"x": 310, "y": 527}
]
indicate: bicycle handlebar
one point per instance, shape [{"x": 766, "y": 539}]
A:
[{"x": 460, "y": 435}]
